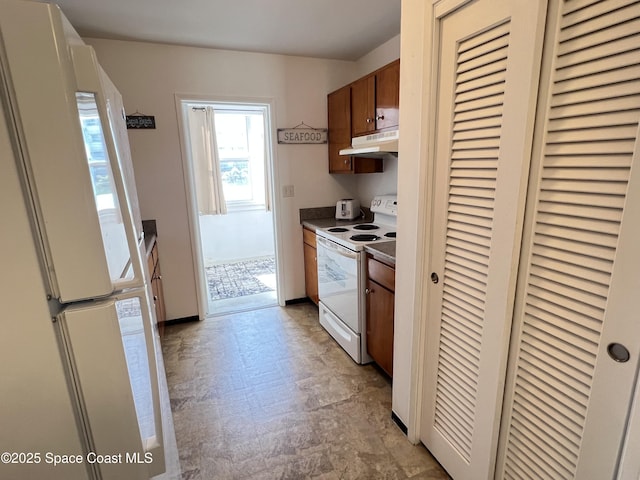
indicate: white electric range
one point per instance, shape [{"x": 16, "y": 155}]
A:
[{"x": 341, "y": 274}]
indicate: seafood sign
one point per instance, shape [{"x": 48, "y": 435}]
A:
[{"x": 302, "y": 135}]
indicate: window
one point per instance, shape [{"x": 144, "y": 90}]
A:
[{"x": 241, "y": 150}]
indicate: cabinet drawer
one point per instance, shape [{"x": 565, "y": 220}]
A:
[
  {"x": 309, "y": 237},
  {"x": 381, "y": 273}
]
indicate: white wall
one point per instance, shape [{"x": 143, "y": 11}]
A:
[
  {"x": 149, "y": 76},
  {"x": 378, "y": 57},
  {"x": 413, "y": 201},
  {"x": 246, "y": 235}
]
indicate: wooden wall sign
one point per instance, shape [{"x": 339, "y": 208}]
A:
[
  {"x": 302, "y": 135},
  {"x": 141, "y": 121}
]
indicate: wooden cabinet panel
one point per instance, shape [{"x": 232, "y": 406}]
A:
[
  {"x": 388, "y": 96},
  {"x": 363, "y": 97},
  {"x": 380, "y": 302},
  {"x": 381, "y": 273},
  {"x": 339, "y": 123},
  {"x": 310, "y": 264},
  {"x": 309, "y": 237},
  {"x": 380, "y": 299},
  {"x": 153, "y": 264}
]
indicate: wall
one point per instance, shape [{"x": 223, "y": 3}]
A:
[
  {"x": 367, "y": 186},
  {"x": 378, "y": 57},
  {"x": 247, "y": 235},
  {"x": 149, "y": 76},
  {"x": 413, "y": 175}
]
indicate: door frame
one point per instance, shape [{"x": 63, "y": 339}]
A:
[{"x": 271, "y": 171}]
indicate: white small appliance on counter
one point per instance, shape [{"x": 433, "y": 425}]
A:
[{"x": 347, "y": 209}]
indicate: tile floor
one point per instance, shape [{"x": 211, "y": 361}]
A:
[{"x": 267, "y": 394}]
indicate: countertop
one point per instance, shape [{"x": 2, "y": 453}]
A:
[
  {"x": 329, "y": 222},
  {"x": 385, "y": 251}
]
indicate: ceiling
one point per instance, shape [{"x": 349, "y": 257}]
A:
[{"x": 335, "y": 29}]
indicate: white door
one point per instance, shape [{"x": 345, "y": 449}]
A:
[
  {"x": 489, "y": 59},
  {"x": 574, "y": 356}
]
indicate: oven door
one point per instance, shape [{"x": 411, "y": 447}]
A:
[{"x": 339, "y": 282}]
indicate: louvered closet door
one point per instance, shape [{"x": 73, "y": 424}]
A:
[
  {"x": 489, "y": 60},
  {"x": 567, "y": 399}
]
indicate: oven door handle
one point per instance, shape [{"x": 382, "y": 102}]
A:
[{"x": 339, "y": 249}]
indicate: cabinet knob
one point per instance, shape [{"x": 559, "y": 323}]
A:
[
  {"x": 369, "y": 120},
  {"x": 368, "y": 290},
  {"x": 155, "y": 298},
  {"x": 379, "y": 117}
]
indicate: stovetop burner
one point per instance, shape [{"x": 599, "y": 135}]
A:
[
  {"x": 364, "y": 237},
  {"x": 366, "y": 226},
  {"x": 338, "y": 229},
  {"x": 390, "y": 234}
]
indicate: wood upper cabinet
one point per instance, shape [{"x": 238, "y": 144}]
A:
[
  {"x": 380, "y": 300},
  {"x": 339, "y": 122},
  {"x": 375, "y": 101},
  {"x": 388, "y": 96},
  {"x": 310, "y": 264},
  {"x": 363, "y": 109}
]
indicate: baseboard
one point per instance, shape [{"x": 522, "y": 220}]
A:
[
  {"x": 175, "y": 321},
  {"x": 295, "y": 301},
  {"x": 398, "y": 422}
]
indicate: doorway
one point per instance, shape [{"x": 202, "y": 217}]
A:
[{"x": 229, "y": 159}]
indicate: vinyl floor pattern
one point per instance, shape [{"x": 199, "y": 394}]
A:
[{"x": 267, "y": 394}]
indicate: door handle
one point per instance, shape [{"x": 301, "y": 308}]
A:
[{"x": 618, "y": 352}]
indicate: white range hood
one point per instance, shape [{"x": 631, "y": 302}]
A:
[{"x": 376, "y": 144}]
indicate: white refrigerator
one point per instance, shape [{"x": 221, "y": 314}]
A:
[{"x": 82, "y": 388}]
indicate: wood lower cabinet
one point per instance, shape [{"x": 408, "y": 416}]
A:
[
  {"x": 310, "y": 264},
  {"x": 380, "y": 300},
  {"x": 153, "y": 262}
]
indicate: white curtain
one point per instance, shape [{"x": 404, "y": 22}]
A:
[{"x": 206, "y": 163}]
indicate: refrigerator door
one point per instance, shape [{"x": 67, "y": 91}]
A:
[
  {"x": 88, "y": 236},
  {"x": 118, "y": 127},
  {"x": 90, "y": 77},
  {"x": 112, "y": 353},
  {"x": 108, "y": 198}
]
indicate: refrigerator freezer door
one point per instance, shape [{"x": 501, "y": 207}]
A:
[{"x": 112, "y": 352}]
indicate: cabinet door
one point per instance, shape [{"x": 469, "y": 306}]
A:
[
  {"x": 339, "y": 122},
  {"x": 488, "y": 65},
  {"x": 380, "y": 303},
  {"x": 388, "y": 96},
  {"x": 311, "y": 272},
  {"x": 363, "y": 98},
  {"x": 158, "y": 294},
  {"x": 568, "y": 398}
]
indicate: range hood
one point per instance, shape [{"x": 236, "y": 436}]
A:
[{"x": 374, "y": 145}]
